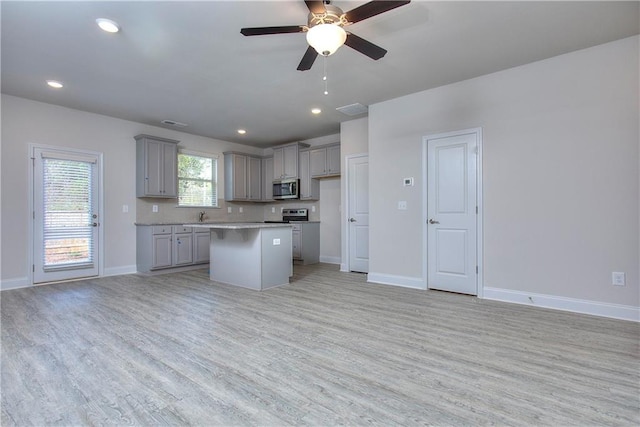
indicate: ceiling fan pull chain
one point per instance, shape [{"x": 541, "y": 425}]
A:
[{"x": 326, "y": 87}]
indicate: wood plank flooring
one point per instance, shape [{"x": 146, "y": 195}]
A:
[{"x": 328, "y": 349}]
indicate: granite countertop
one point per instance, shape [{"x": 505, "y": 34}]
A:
[
  {"x": 208, "y": 223},
  {"x": 238, "y": 225}
]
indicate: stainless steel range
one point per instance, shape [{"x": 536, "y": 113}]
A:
[{"x": 291, "y": 215}]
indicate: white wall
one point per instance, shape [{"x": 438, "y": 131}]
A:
[
  {"x": 330, "y": 233},
  {"x": 560, "y": 171},
  {"x": 27, "y": 122}
]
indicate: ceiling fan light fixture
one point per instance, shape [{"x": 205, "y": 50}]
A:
[{"x": 326, "y": 38}]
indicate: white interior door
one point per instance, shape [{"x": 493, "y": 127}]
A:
[
  {"x": 452, "y": 213},
  {"x": 358, "y": 215},
  {"x": 65, "y": 215}
]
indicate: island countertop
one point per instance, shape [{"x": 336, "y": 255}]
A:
[{"x": 237, "y": 225}]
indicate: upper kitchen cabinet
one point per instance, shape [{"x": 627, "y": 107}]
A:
[
  {"x": 242, "y": 177},
  {"x": 325, "y": 161},
  {"x": 285, "y": 160},
  {"x": 267, "y": 179},
  {"x": 156, "y": 167},
  {"x": 309, "y": 187}
]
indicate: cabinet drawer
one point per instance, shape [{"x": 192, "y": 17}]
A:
[
  {"x": 161, "y": 229},
  {"x": 181, "y": 229},
  {"x": 202, "y": 230}
]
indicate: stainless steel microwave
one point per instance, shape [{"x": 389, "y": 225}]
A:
[{"x": 286, "y": 189}]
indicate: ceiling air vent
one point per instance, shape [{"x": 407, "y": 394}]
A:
[
  {"x": 173, "y": 123},
  {"x": 353, "y": 109}
]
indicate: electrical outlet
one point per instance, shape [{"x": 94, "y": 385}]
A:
[
  {"x": 240, "y": 209},
  {"x": 276, "y": 242},
  {"x": 313, "y": 208},
  {"x": 125, "y": 208},
  {"x": 229, "y": 209},
  {"x": 154, "y": 208},
  {"x": 402, "y": 205},
  {"x": 273, "y": 209},
  {"x": 618, "y": 278}
]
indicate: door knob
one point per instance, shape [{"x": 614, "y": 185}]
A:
[
  {"x": 352, "y": 220},
  {"x": 433, "y": 221}
]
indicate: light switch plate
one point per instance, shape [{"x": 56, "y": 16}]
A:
[
  {"x": 276, "y": 242},
  {"x": 154, "y": 208},
  {"x": 240, "y": 209},
  {"x": 618, "y": 278},
  {"x": 229, "y": 209},
  {"x": 402, "y": 205}
]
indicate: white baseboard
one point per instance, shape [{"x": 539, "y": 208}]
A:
[
  {"x": 118, "y": 271},
  {"x": 595, "y": 308},
  {"x": 17, "y": 283},
  {"x": 402, "y": 281},
  {"x": 330, "y": 259}
]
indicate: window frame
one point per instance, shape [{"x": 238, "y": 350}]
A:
[{"x": 214, "y": 178}]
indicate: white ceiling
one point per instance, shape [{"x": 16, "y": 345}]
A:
[{"x": 188, "y": 62}]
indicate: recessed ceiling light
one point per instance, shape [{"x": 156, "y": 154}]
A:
[
  {"x": 108, "y": 25},
  {"x": 316, "y": 110},
  {"x": 242, "y": 131},
  {"x": 54, "y": 84}
]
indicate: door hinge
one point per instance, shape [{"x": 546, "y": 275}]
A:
[
  {"x": 33, "y": 268},
  {"x": 476, "y": 210},
  {"x": 476, "y": 269}
]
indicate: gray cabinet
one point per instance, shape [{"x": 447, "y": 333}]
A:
[
  {"x": 182, "y": 245},
  {"x": 325, "y": 161},
  {"x": 267, "y": 179},
  {"x": 305, "y": 242},
  {"x": 163, "y": 246},
  {"x": 242, "y": 177},
  {"x": 254, "y": 178},
  {"x": 156, "y": 167},
  {"x": 309, "y": 187},
  {"x": 201, "y": 246},
  {"x": 285, "y": 160}
]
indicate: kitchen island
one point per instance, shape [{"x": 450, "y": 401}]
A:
[{"x": 252, "y": 255}]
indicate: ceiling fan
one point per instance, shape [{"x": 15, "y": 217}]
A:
[{"x": 325, "y": 29}]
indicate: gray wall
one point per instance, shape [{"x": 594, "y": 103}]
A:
[{"x": 560, "y": 171}]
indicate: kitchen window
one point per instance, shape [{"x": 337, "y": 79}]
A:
[{"x": 197, "y": 179}]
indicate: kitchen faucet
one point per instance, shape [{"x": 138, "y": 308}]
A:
[{"x": 201, "y": 216}]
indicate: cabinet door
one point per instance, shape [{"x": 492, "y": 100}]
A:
[
  {"x": 201, "y": 248},
  {"x": 333, "y": 160},
  {"x": 296, "y": 244},
  {"x": 278, "y": 163},
  {"x": 183, "y": 249},
  {"x": 304, "y": 174},
  {"x": 318, "y": 162},
  {"x": 254, "y": 178},
  {"x": 169, "y": 170},
  {"x": 267, "y": 180},
  {"x": 291, "y": 161},
  {"x": 161, "y": 255},
  {"x": 239, "y": 177},
  {"x": 153, "y": 168}
]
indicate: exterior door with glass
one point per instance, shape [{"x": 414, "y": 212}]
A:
[{"x": 65, "y": 214}]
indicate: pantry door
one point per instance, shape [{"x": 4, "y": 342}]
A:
[
  {"x": 452, "y": 212},
  {"x": 66, "y": 217}
]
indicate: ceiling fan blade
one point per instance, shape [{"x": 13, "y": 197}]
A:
[
  {"x": 307, "y": 60},
  {"x": 372, "y": 8},
  {"x": 365, "y": 47},
  {"x": 315, "y": 6},
  {"x": 260, "y": 31}
]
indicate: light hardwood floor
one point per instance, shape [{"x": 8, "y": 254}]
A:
[{"x": 328, "y": 349}]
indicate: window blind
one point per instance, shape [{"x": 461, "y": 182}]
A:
[{"x": 67, "y": 213}]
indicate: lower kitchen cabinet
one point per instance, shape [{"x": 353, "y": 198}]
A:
[
  {"x": 165, "y": 246},
  {"x": 305, "y": 240}
]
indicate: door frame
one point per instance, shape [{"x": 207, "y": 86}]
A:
[
  {"x": 479, "y": 218},
  {"x": 346, "y": 259},
  {"x": 31, "y": 205}
]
